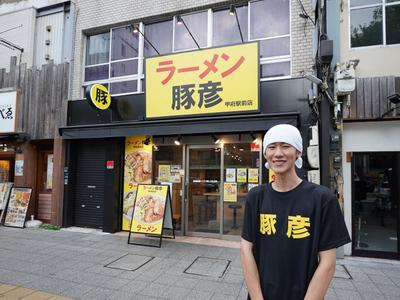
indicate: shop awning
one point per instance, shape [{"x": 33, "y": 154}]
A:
[
  {"x": 11, "y": 137},
  {"x": 206, "y": 125}
]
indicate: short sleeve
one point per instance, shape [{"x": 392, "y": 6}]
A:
[
  {"x": 333, "y": 231},
  {"x": 248, "y": 230}
]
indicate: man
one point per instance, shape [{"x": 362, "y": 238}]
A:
[{"x": 291, "y": 227}]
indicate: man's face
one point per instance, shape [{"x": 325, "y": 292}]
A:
[{"x": 281, "y": 157}]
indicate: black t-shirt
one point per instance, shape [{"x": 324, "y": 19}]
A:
[{"x": 287, "y": 230}]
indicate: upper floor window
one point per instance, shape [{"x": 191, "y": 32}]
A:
[
  {"x": 273, "y": 36},
  {"x": 197, "y": 24},
  {"x": 374, "y": 22},
  {"x": 225, "y": 27},
  {"x": 115, "y": 58},
  {"x": 117, "y": 69},
  {"x": 160, "y": 36}
]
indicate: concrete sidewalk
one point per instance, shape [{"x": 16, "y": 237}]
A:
[{"x": 89, "y": 265}]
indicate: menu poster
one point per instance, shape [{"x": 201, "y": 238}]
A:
[
  {"x": 230, "y": 175},
  {"x": 164, "y": 173},
  {"x": 149, "y": 208},
  {"x": 49, "y": 175},
  {"x": 241, "y": 175},
  {"x": 18, "y": 206},
  {"x": 230, "y": 192},
  {"x": 253, "y": 175},
  {"x": 5, "y": 189},
  {"x": 19, "y": 167},
  {"x": 175, "y": 174}
]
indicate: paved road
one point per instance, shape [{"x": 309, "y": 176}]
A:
[{"x": 103, "y": 266}]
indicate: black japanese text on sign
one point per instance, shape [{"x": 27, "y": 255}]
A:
[
  {"x": 219, "y": 80},
  {"x": 98, "y": 96}
]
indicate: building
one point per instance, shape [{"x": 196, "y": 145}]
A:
[
  {"x": 35, "y": 50},
  {"x": 367, "y": 51},
  {"x": 164, "y": 64}
]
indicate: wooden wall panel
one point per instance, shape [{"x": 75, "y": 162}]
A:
[
  {"x": 369, "y": 100},
  {"x": 42, "y": 94}
]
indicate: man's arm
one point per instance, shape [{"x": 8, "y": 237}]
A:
[
  {"x": 250, "y": 271},
  {"x": 323, "y": 275}
]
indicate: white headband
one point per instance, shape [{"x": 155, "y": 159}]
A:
[{"x": 284, "y": 133}]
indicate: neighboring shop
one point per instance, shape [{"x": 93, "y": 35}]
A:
[{"x": 372, "y": 183}]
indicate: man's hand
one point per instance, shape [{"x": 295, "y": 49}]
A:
[
  {"x": 323, "y": 275},
  {"x": 250, "y": 270}
]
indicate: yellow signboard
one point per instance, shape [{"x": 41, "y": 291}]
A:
[
  {"x": 230, "y": 192},
  {"x": 138, "y": 169},
  {"x": 149, "y": 208},
  {"x": 217, "y": 80},
  {"x": 98, "y": 96}
]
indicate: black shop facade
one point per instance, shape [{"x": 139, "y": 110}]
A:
[{"x": 198, "y": 127}]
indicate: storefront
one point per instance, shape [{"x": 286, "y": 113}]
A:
[
  {"x": 372, "y": 196},
  {"x": 200, "y": 131},
  {"x": 211, "y": 161}
]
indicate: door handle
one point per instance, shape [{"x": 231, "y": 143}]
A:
[
  {"x": 98, "y": 206},
  {"x": 91, "y": 186},
  {"x": 83, "y": 205}
]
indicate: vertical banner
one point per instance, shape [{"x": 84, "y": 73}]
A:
[
  {"x": 230, "y": 192},
  {"x": 17, "y": 207},
  {"x": 138, "y": 169}
]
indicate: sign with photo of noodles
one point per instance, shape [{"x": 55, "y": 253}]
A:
[
  {"x": 18, "y": 206},
  {"x": 149, "y": 209},
  {"x": 137, "y": 170}
]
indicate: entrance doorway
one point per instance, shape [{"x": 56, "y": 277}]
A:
[
  {"x": 376, "y": 194},
  {"x": 217, "y": 180},
  {"x": 44, "y": 185},
  {"x": 203, "y": 182}
]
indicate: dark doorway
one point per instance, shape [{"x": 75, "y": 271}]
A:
[{"x": 375, "y": 204}]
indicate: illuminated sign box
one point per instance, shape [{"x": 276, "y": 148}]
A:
[{"x": 211, "y": 81}]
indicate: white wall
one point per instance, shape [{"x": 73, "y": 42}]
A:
[
  {"x": 22, "y": 36},
  {"x": 374, "y": 60},
  {"x": 365, "y": 137}
]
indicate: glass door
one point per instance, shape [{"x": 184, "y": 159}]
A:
[
  {"x": 203, "y": 179},
  {"x": 376, "y": 204}
]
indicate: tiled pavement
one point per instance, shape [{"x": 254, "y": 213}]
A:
[{"x": 42, "y": 264}]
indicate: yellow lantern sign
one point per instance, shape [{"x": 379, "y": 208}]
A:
[{"x": 98, "y": 96}]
